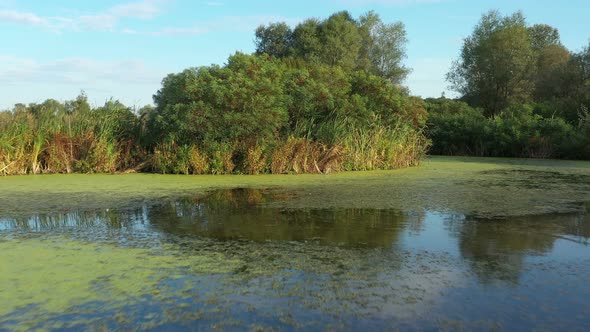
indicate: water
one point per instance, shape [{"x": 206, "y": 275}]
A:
[{"x": 238, "y": 260}]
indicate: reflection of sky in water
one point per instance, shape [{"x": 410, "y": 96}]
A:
[
  {"x": 432, "y": 236},
  {"x": 567, "y": 250},
  {"x": 363, "y": 267}
]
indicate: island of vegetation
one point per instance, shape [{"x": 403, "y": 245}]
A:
[{"x": 323, "y": 96}]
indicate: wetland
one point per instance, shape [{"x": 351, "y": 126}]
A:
[{"x": 458, "y": 243}]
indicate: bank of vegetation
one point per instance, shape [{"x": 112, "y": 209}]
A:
[
  {"x": 522, "y": 94},
  {"x": 323, "y": 96}
]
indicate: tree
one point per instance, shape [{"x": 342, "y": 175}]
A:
[
  {"x": 384, "y": 47},
  {"x": 550, "y": 77},
  {"x": 274, "y": 40},
  {"x": 577, "y": 80},
  {"x": 306, "y": 41},
  {"x": 550, "y": 58},
  {"x": 340, "y": 40},
  {"x": 542, "y": 36},
  {"x": 79, "y": 105},
  {"x": 582, "y": 60},
  {"x": 495, "y": 62},
  {"x": 238, "y": 103}
]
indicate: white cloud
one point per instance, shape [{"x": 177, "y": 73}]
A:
[
  {"x": 25, "y": 18},
  {"x": 76, "y": 71},
  {"x": 143, "y": 10},
  {"x": 96, "y": 22},
  {"x": 106, "y": 20},
  {"x": 226, "y": 23},
  {"x": 28, "y": 80},
  {"x": 385, "y": 2},
  {"x": 128, "y": 31},
  {"x": 111, "y": 18}
]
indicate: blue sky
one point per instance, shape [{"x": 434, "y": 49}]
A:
[{"x": 123, "y": 49}]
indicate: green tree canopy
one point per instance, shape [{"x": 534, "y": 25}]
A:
[
  {"x": 384, "y": 47},
  {"x": 274, "y": 40},
  {"x": 542, "y": 36},
  {"x": 340, "y": 40},
  {"x": 238, "y": 102},
  {"x": 495, "y": 63}
]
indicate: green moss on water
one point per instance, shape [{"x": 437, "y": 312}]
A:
[
  {"x": 42, "y": 278},
  {"x": 86, "y": 259},
  {"x": 45, "y": 279},
  {"x": 487, "y": 187}
]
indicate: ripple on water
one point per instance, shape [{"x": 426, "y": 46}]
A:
[{"x": 233, "y": 260}]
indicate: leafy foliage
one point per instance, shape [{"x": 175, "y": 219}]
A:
[
  {"x": 52, "y": 137},
  {"x": 526, "y": 95},
  {"x": 455, "y": 128},
  {"x": 261, "y": 113},
  {"x": 364, "y": 44},
  {"x": 495, "y": 62}
]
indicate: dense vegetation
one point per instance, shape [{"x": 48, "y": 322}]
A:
[
  {"x": 54, "y": 137},
  {"x": 523, "y": 94},
  {"x": 324, "y": 96}
]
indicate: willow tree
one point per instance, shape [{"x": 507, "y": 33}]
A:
[
  {"x": 493, "y": 70},
  {"x": 384, "y": 47},
  {"x": 274, "y": 39},
  {"x": 366, "y": 44}
]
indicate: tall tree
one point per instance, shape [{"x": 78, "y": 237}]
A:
[
  {"x": 341, "y": 41},
  {"x": 274, "y": 40},
  {"x": 383, "y": 47},
  {"x": 495, "y": 62},
  {"x": 550, "y": 58},
  {"x": 542, "y": 36},
  {"x": 583, "y": 61},
  {"x": 550, "y": 72},
  {"x": 578, "y": 81},
  {"x": 306, "y": 41}
]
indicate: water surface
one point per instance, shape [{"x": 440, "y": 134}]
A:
[
  {"x": 247, "y": 259},
  {"x": 474, "y": 244}
]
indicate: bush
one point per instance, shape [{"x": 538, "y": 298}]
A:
[{"x": 518, "y": 131}]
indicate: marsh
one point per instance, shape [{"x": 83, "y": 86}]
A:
[{"x": 458, "y": 243}]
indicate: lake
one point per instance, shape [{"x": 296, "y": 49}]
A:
[{"x": 458, "y": 243}]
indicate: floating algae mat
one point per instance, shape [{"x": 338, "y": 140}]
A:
[{"x": 464, "y": 243}]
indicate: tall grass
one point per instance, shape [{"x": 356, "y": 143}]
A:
[
  {"x": 302, "y": 155},
  {"x": 86, "y": 142},
  {"x": 71, "y": 137},
  {"x": 382, "y": 147},
  {"x": 52, "y": 139}
]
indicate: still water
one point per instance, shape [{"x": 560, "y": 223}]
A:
[{"x": 237, "y": 260}]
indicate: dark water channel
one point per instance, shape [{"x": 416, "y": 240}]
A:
[{"x": 237, "y": 260}]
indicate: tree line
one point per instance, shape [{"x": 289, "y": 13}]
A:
[
  {"x": 325, "y": 95},
  {"x": 522, "y": 94},
  {"x": 322, "y": 97}
]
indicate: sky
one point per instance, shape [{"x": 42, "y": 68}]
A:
[{"x": 123, "y": 49}]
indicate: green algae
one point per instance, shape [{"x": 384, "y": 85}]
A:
[
  {"x": 44, "y": 277},
  {"x": 203, "y": 282},
  {"x": 130, "y": 252},
  {"x": 485, "y": 187}
]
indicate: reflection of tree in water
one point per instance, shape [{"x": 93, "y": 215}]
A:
[
  {"x": 235, "y": 214},
  {"x": 497, "y": 249},
  {"x": 242, "y": 214},
  {"x": 110, "y": 219},
  {"x": 578, "y": 226}
]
